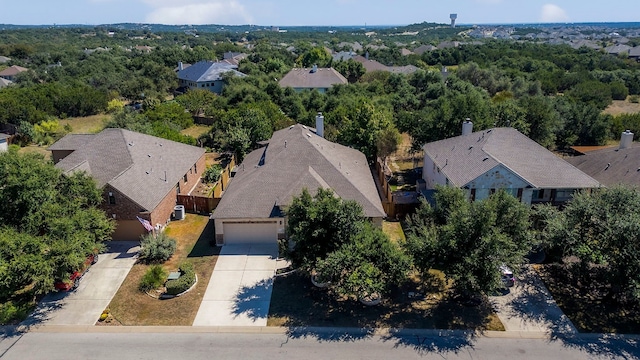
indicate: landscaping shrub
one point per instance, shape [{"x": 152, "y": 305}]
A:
[
  {"x": 156, "y": 249},
  {"x": 212, "y": 174},
  {"x": 634, "y": 99},
  {"x": 11, "y": 312},
  {"x": 184, "y": 282},
  {"x": 155, "y": 276}
]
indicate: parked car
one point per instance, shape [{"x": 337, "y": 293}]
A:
[
  {"x": 74, "y": 277},
  {"x": 507, "y": 276}
]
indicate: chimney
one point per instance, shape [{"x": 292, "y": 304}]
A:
[
  {"x": 314, "y": 69},
  {"x": 467, "y": 127},
  {"x": 180, "y": 67},
  {"x": 320, "y": 125},
  {"x": 626, "y": 139}
]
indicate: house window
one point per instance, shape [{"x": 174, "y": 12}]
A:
[
  {"x": 473, "y": 194},
  {"x": 195, "y": 167},
  {"x": 112, "y": 199},
  {"x": 492, "y": 191},
  {"x": 178, "y": 187},
  {"x": 519, "y": 194},
  {"x": 185, "y": 178},
  {"x": 191, "y": 171},
  {"x": 538, "y": 194}
]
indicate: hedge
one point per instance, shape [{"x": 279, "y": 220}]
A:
[{"x": 184, "y": 282}]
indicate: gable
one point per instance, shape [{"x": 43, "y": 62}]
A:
[{"x": 499, "y": 177}]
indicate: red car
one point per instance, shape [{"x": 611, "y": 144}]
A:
[{"x": 74, "y": 277}]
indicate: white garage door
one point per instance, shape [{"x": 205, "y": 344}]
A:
[{"x": 250, "y": 233}]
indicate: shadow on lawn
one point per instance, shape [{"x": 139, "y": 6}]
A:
[
  {"x": 310, "y": 312},
  {"x": 205, "y": 246}
]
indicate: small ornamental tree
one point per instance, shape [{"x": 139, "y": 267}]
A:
[{"x": 212, "y": 174}]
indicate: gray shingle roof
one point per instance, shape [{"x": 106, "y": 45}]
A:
[
  {"x": 296, "y": 158},
  {"x": 135, "y": 164},
  {"x": 634, "y": 52},
  {"x": 4, "y": 82},
  {"x": 207, "y": 71},
  {"x": 611, "y": 166},
  {"x": 466, "y": 157},
  {"x": 321, "y": 79}
]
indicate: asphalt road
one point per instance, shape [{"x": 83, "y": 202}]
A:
[{"x": 306, "y": 345}]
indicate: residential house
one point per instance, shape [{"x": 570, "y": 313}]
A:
[
  {"x": 617, "y": 49},
  {"x": 373, "y": 65},
  {"x": 612, "y": 165},
  {"x": 406, "y": 52},
  {"x": 321, "y": 79},
  {"x": 140, "y": 175},
  {"x": 4, "y": 59},
  {"x": 634, "y": 53},
  {"x": 501, "y": 158},
  {"x": 423, "y": 49},
  {"x": 233, "y": 58},
  {"x": 253, "y": 208},
  {"x": 4, "y": 142},
  {"x": 5, "y": 82},
  {"x": 206, "y": 75},
  {"x": 11, "y": 72}
]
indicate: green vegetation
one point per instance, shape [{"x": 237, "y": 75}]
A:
[
  {"x": 184, "y": 282},
  {"x": 37, "y": 248},
  {"x": 155, "y": 276},
  {"x": 156, "y": 248},
  {"x": 470, "y": 241},
  {"x": 212, "y": 174}
]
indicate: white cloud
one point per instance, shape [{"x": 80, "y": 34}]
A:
[
  {"x": 197, "y": 12},
  {"x": 553, "y": 13}
]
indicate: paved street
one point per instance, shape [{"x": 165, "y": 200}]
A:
[
  {"x": 530, "y": 307},
  {"x": 84, "y": 305},
  {"x": 303, "y": 344},
  {"x": 239, "y": 291}
]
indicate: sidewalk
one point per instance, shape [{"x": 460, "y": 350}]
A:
[{"x": 530, "y": 307}]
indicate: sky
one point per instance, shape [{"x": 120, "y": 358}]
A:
[{"x": 323, "y": 12}]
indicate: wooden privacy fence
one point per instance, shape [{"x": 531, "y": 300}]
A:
[{"x": 198, "y": 204}]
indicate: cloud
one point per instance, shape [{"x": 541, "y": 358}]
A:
[
  {"x": 553, "y": 13},
  {"x": 197, "y": 12}
]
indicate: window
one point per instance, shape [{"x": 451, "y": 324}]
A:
[
  {"x": 112, "y": 199},
  {"x": 195, "y": 167},
  {"x": 178, "y": 187},
  {"x": 473, "y": 194},
  {"x": 185, "y": 178}
]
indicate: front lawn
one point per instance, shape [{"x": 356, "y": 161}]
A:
[
  {"x": 296, "y": 302},
  {"x": 589, "y": 309},
  {"x": 132, "y": 307}
]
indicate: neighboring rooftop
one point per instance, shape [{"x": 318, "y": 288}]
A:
[
  {"x": 12, "y": 71},
  {"x": 297, "y": 158},
  {"x": 312, "y": 78},
  {"x": 207, "y": 71},
  {"x": 466, "y": 157},
  {"x": 143, "y": 167},
  {"x": 612, "y": 165},
  {"x": 4, "y": 82}
]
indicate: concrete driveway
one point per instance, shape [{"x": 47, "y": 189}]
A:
[
  {"x": 530, "y": 307},
  {"x": 239, "y": 291},
  {"x": 84, "y": 305}
]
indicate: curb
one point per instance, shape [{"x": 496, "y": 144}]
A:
[{"x": 305, "y": 331}]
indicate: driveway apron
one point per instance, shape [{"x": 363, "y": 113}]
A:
[
  {"x": 239, "y": 291},
  {"x": 84, "y": 305},
  {"x": 530, "y": 307}
]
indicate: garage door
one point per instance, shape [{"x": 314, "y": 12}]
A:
[{"x": 250, "y": 233}]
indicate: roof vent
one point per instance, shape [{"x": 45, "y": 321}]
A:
[
  {"x": 608, "y": 165},
  {"x": 308, "y": 135},
  {"x": 485, "y": 159}
]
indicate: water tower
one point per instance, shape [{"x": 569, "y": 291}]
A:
[{"x": 453, "y": 18}]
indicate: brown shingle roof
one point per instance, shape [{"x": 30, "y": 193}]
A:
[
  {"x": 296, "y": 158},
  {"x": 304, "y": 78},
  {"x": 142, "y": 167},
  {"x": 611, "y": 166},
  {"x": 466, "y": 157},
  {"x": 12, "y": 70}
]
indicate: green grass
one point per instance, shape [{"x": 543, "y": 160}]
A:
[
  {"x": 86, "y": 125},
  {"x": 393, "y": 229},
  {"x": 196, "y": 130}
]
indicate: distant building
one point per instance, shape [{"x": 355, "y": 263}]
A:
[
  {"x": 321, "y": 79},
  {"x": 206, "y": 75},
  {"x": 11, "y": 72},
  {"x": 453, "y": 18}
]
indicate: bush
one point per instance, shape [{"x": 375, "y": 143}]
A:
[
  {"x": 12, "y": 312},
  {"x": 184, "y": 282},
  {"x": 212, "y": 174},
  {"x": 155, "y": 276},
  {"x": 156, "y": 249},
  {"x": 634, "y": 99}
]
